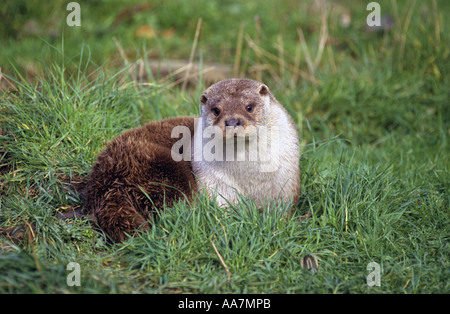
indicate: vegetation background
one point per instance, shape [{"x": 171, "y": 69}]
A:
[{"x": 371, "y": 106}]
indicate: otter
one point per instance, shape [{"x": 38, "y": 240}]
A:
[
  {"x": 137, "y": 174},
  {"x": 256, "y": 145}
]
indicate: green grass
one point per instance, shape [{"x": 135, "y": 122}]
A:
[{"x": 372, "y": 114}]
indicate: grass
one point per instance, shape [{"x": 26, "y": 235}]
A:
[{"x": 371, "y": 110}]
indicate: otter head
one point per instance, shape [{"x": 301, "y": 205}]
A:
[{"x": 237, "y": 106}]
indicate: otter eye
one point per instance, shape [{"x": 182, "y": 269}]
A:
[
  {"x": 216, "y": 111},
  {"x": 249, "y": 108}
]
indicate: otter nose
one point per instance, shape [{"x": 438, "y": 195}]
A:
[{"x": 233, "y": 122}]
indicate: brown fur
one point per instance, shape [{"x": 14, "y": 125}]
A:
[{"x": 135, "y": 176}]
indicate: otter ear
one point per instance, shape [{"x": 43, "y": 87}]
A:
[
  {"x": 203, "y": 99},
  {"x": 263, "y": 90}
]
